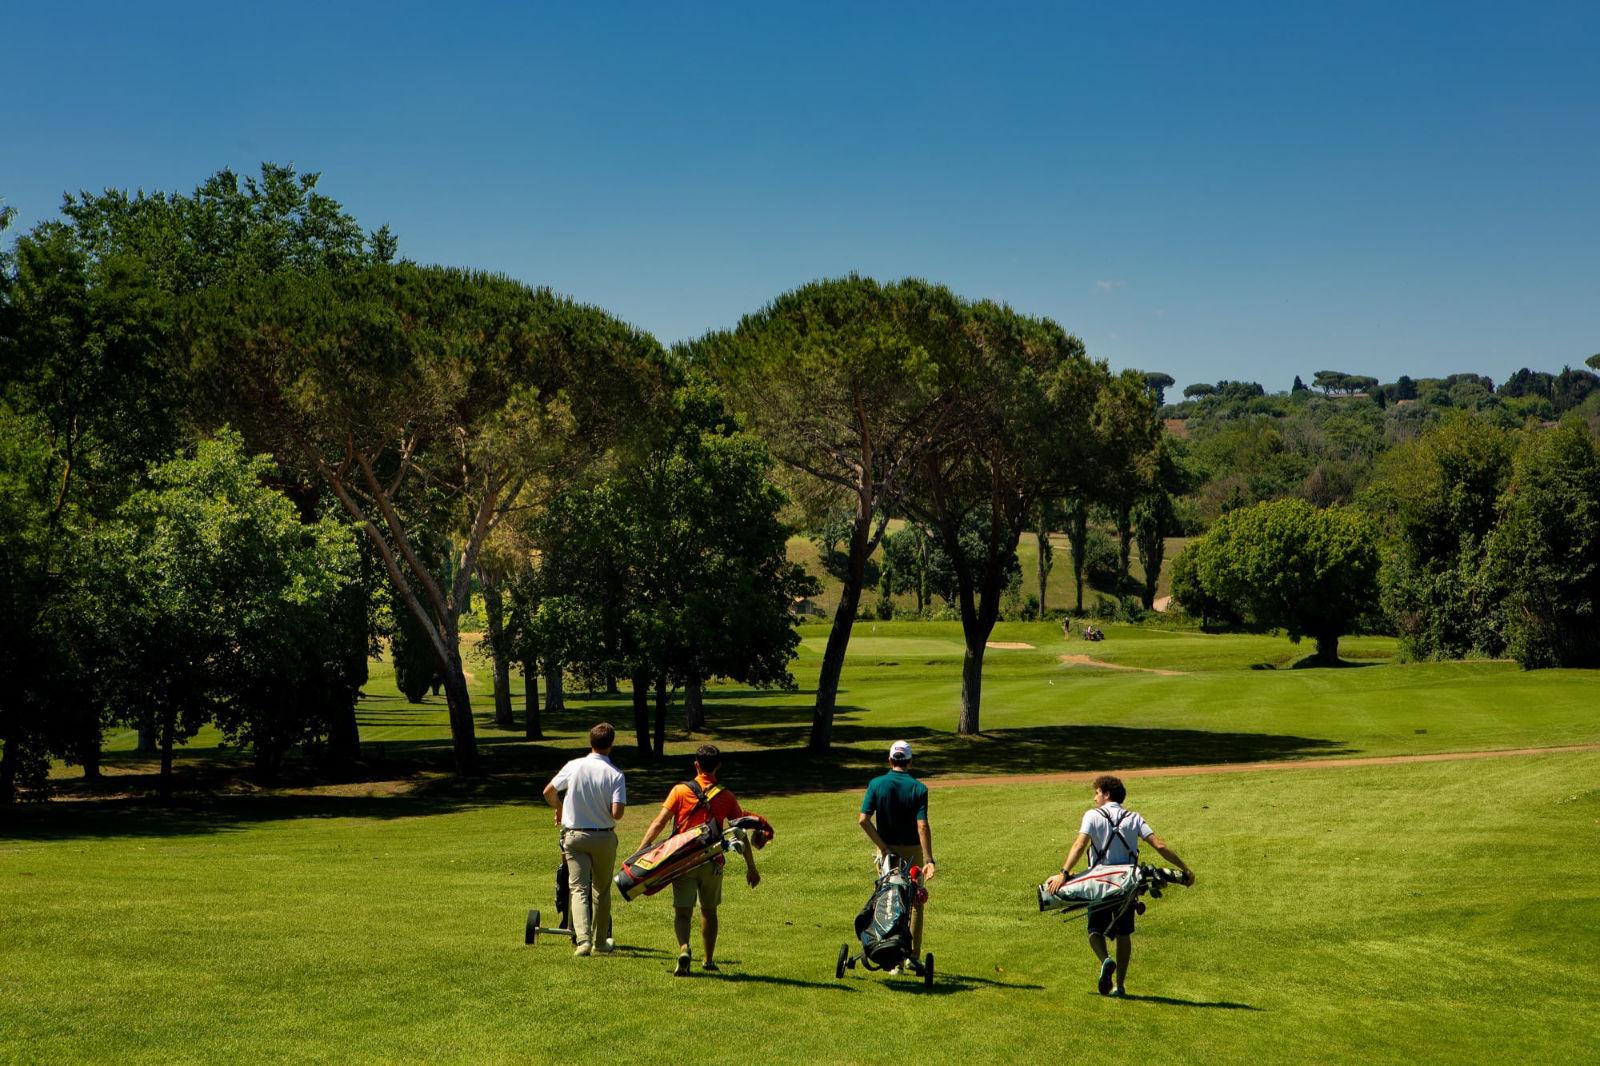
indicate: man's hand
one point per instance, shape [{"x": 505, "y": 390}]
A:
[
  {"x": 557, "y": 818},
  {"x": 927, "y": 871},
  {"x": 1054, "y": 882},
  {"x": 751, "y": 877}
]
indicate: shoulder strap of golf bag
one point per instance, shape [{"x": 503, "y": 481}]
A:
[
  {"x": 703, "y": 798},
  {"x": 1114, "y": 826}
]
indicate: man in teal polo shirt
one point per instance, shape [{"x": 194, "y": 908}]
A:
[{"x": 900, "y": 804}]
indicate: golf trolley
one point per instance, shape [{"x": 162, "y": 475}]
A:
[
  {"x": 534, "y": 928},
  {"x": 884, "y": 925}
]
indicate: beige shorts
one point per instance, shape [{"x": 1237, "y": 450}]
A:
[{"x": 704, "y": 882}]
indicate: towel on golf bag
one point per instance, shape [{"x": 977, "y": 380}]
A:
[
  {"x": 759, "y": 829},
  {"x": 1097, "y": 887},
  {"x": 884, "y": 924},
  {"x": 655, "y": 866}
]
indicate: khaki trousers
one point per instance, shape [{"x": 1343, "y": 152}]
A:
[{"x": 591, "y": 860}]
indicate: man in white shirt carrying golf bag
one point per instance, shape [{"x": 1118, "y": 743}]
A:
[{"x": 1111, "y": 835}]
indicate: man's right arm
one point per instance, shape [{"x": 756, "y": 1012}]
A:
[
  {"x": 865, "y": 821},
  {"x": 655, "y": 827},
  {"x": 553, "y": 798}
]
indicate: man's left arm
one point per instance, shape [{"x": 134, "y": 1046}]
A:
[
  {"x": 925, "y": 838},
  {"x": 1170, "y": 855}
]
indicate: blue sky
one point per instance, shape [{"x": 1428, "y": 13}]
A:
[{"x": 1214, "y": 190}]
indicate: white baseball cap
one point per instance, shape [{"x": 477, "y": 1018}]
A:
[{"x": 900, "y": 750}]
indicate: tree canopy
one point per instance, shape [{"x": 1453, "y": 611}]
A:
[{"x": 1288, "y": 565}]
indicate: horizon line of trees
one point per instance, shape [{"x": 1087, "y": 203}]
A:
[{"x": 242, "y": 447}]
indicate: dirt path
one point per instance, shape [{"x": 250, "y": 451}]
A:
[
  {"x": 1084, "y": 660},
  {"x": 1007, "y": 645},
  {"x": 1162, "y": 603},
  {"x": 1252, "y": 767}
]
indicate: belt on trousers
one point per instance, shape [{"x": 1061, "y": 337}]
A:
[{"x": 581, "y": 829}]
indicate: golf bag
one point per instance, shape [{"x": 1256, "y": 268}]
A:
[
  {"x": 651, "y": 869},
  {"x": 884, "y": 924},
  {"x": 1110, "y": 887}
]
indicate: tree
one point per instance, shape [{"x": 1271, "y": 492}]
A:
[
  {"x": 1593, "y": 362},
  {"x": 1158, "y": 384},
  {"x": 1046, "y": 516},
  {"x": 1126, "y": 459},
  {"x": 841, "y": 379},
  {"x": 1153, "y": 521},
  {"x": 1437, "y": 497},
  {"x": 1544, "y": 553},
  {"x": 1019, "y": 430},
  {"x": 1287, "y": 565},
  {"x": 1076, "y": 514},
  {"x": 400, "y": 383},
  {"x": 1298, "y": 386},
  {"x": 690, "y": 534},
  {"x": 1200, "y": 390},
  {"x": 224, "y": 606},
  {"x": 906, "y": 563}
]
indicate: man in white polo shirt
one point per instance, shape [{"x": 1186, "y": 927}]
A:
[
  {"x": 589, "y": 795},
  {"x": 1111, "y": 835}
]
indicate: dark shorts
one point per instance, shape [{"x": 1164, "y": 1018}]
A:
[{"x": 1110, "y": 923}]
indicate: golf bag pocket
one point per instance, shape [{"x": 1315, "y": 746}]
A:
[
  {"x": 1099, "y": 886},
  {"x": 650, "y": 869},
  {"x": 884, "y": 924}
]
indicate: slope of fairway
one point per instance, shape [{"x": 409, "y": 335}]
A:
[{"x": 1422, "y": 912}]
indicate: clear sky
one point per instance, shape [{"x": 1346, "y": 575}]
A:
[{"x": 1210, "y": 189}]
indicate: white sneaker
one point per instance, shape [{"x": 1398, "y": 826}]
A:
[
  {"x": 582, "y": 951},
  {"x": 606, "y": 946}
]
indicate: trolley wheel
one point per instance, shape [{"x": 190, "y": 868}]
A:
[
  {"x": 927, "y": 971},
  {"x": 844, "y": 957},
  {"x": 531, "y": 933}
]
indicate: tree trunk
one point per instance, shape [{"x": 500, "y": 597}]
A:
[
  {"x": 8, "y": 771},
  {"x": 555, "y": 692},
  {"x": 148, "y": 742},
  {"x": 168, "y": 726},
  {"x": 611, "y": 685},
  {"x": 494, "y": 614},
  {"x": 1328, "y": 649},
  {"x": 832, "y": 666},
  {"x": 694, "y": 710},
  {"x": 530, "y": 688},
  {"x": 344, "y": 732},
  {"x": 839, "y": 636},
  {"x": 1078, "y": 540},
  {"x": 89, "y": 744},
  {"x": 1124, "y": 547},
  {"x": 641, "y": 712},
  {"x": 663, "y": 701},
  {"x": 1045, "y": 562},
  {"x": 463, "y": 736},
  {"x": 971, "y": 688}
]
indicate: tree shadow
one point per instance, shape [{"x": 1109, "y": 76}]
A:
[{"x": 1313, "y": 662}]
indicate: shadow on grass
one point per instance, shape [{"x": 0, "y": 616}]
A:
[
  {"x": 412, "y": 778},
  {"x": 950, "y": 984},
  {"x": 1172, "y": 1001},
  {"x": 769, "y": 979}
]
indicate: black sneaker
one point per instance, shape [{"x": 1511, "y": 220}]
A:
[
  {"x": 1108, "y": 973},
  {"x": 710, "y": 967},
  {"x": 682, "y": 969}
]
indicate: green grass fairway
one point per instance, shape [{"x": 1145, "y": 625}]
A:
[{"x": 1439, "y": 912}]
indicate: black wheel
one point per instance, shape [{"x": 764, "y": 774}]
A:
[
  {"x": 844, "y": 957},
  {"x": 927, "y": 971},
  {"x": 531, "y": 933}
]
